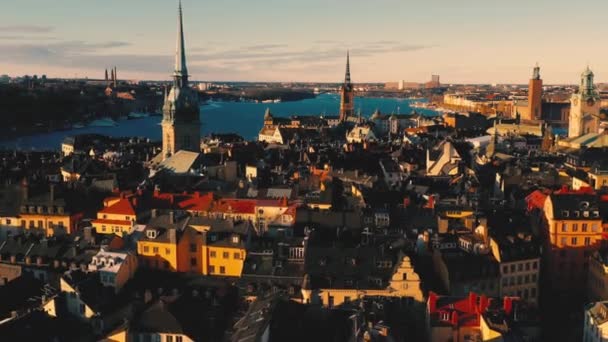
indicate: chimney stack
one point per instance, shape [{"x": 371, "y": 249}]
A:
[
  {"x": 171, "y": 217},
  {"x": 432, "y": 302}
]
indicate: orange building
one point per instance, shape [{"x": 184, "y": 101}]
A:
[{"x": 573, "y": 232}]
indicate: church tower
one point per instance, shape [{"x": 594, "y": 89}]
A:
[
  {"x": 181, "y": 122},
  {"x": 584, "y": 108},
  {"x": 535, "y": 95},
  {"x": 347, "y": 94}
]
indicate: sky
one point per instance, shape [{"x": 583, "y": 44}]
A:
[{"x": 465, "y": 41}]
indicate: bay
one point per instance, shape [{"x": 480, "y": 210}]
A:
[{"x": 244, "y": 118}]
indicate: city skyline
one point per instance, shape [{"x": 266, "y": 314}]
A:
[{"x": 465, "y": 43}]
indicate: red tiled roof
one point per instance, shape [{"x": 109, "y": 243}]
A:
[
  {"x": 235, "y": 206},
  {"x": 196, "y": 202},
  {"x": 536, "y": 200},
  {"x": 122, "y": 207}
]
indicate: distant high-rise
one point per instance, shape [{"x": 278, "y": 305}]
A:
[
  {"x": 584, "y": 107},
  {"x": 347, "y": 94},
  {"x": 535, "y": 96},
  {"x": 181, "y": 122}
]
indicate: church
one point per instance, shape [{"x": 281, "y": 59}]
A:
[{"x": 181, "y": 125}]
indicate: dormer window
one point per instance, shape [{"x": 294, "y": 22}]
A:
[
  {"x": 586, "y": 213},
  {"x": 596, "y": 214},
  {"x": 151, "y": 234},
  {"x": 565, "y": 213},
  {"x": 235, "y": 238},
  {"x": 444, "y": 316},
  {"x": 577, "y": 214}
]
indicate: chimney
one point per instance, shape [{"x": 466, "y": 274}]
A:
[
  {"x": 147, "y": 296},
  {"x": 472, "y": 301},
  {"x": 172, "y": 233},
  {"x": 454, "y": 319},
  {"x": 172, "y": 217},
  {"x": 483, "y": 304},
  {"x": 507, "y": 305},
  {"x": 88, "y": 234},
  {"x": 153, "y": 213},
  {"x": 24, "y": 189},
  {"x": 432, "y": 302}
]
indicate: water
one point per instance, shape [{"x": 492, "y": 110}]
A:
[{"x": 244, "y": 118}]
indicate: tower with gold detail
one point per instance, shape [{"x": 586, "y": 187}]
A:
[
  {"x": 584, "y": 107},
  {"x": 347, "y": 94},
  {"x": 181, "y": 122}
]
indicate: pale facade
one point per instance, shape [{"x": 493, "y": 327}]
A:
[{"x": 584, "y": 108}]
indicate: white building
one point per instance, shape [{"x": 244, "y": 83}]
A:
[
  {"x": 360, "y": 134},
  {"x": 595, "y": 326},
  {"x": 115, "y": 268}
]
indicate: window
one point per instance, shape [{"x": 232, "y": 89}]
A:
[
  {"x": 212, "y": 254},
  {"x": 587, "y": 241},
  {"x": 192, "y": 261},
  {"x": 573, "y": 241},
  {"x": 169, "y": 338},
  {"x": 534, "y": 265},
  {"x": 564, "y": 241},
  {"x": 222, "y": 270},
  {"x": 534, "y": 278},
  {"x": 527, "y": 266},
  {"x": 146, "y": 249},
  {"x": 237, "y": 255},
  {"x": 40, "y": 224},
  {"x": 8, "y": 222},
  {"x": 527, "y": 278},
  {"x": 167, "y": 251},
  {"x": 575, "y": 227},
  {"x": 564, "y": 227},
  {"x": 594, "y": 227},
  {"x": 512, "y": 268},
  {"x": 178, "y": 339},
  {"x": 211, "y": 269},
  {"x": 519, "y": 279},
  {"x": 505, "y": 269},
  {"x": 226, "y": 255},
  {"x": 584, "y": 227},
  {"x": 193, "y": 248},
  {"x": 22, "y": 223},
  {"x": 520, "y": 267},
  {"x": 155, "y": 250}
]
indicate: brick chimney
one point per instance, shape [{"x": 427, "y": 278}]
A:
[
  {"x": 172, "y": 234},
  {"x": 472, "y": 301},
  {"x": 432, "y": 302},
  {"x": 507, "y": 305}
]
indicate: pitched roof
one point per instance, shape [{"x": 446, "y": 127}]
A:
[{"x": 122, "y": 207}]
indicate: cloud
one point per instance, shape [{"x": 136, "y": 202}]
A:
[
  {"x": 26, "y": 28},
  {"x": 231, "y": 63}
]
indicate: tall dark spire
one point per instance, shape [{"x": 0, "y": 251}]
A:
[
  {"x": 181, "y": 71},
  {"x": 347, "y": 76}
]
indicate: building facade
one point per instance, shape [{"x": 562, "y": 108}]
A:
[{"x": 584, "y": 108}]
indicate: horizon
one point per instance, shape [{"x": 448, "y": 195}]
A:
[{"x": 463, "y": 43}]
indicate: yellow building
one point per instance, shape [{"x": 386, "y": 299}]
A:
[
  {"x": 198, "y": 247},
  {"x": 117, "y": 217},
  {"x": 573, "y": 231},
  {"x": 404, "y": 282},
  {"x": 46, "y": 213}
]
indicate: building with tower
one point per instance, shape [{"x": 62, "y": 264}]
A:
[
  {"x": 181, "y": 122},
  {"x": 347, "y": 95},
  {"x": 584, "y": 108},
  {"x": 535, "y": 96}
]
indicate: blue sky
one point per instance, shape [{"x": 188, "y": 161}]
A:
[{"x": 466, "y": 41}]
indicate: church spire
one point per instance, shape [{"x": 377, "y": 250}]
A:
[
  {"x": 181, "y": 71},
  {"x": 347, "y": 75}
]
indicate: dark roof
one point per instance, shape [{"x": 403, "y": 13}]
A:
[{"x": 575, "y": 206}]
